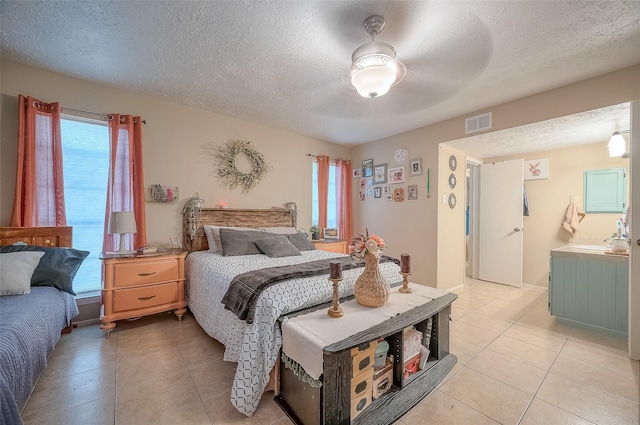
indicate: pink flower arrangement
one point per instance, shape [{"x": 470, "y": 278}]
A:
[{"x": 361, "y": 244}]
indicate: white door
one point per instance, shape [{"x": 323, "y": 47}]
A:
[{"x": 500, "y": 222}]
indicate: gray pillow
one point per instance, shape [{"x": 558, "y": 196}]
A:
[
  {"x": 240, "y": 242},
  {"x": 277, "y": 246},
  {"x": 300, "y": 241},
  {"x": 58, "y": 266}
]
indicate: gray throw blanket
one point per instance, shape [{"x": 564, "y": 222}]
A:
[{"x": 245, "y": 288}]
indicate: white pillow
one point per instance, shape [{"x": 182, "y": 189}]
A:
[
  {"x": 213, "y": 236},
  {"x": 279, "y": 230},
  {"x": 16, "y": 269}
]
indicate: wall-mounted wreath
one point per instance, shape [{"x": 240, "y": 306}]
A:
[{"x": 229, "y": 173}]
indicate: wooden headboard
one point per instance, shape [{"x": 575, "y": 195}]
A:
[
  {"x": 235, "y": 217},
  {"x": 41, "y": 236}
]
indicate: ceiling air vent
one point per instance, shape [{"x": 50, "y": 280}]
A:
[{"x": 478, "y": 123}]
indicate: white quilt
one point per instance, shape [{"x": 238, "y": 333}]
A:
[{"x": 255, "y": 347}]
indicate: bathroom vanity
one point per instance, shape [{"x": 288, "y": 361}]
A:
[{"x": 590, "y": 289}]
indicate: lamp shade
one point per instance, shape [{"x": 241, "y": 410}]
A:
[
  {"x": 373, "y": 80},
  {"x": 617, "y": 145},
  {"x": 122, "y": 222}
]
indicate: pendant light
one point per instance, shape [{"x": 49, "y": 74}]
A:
[{"x": 617, "y": 145}]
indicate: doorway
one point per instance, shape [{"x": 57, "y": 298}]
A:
[{"x": 471, "y": 216}]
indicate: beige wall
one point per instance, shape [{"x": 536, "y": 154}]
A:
[
  {"x": 548, "y": 200},
  {"x": 415, "y": 225},
  {"x": 176, "y": 139},
  {"x": 451, "y": 221}
]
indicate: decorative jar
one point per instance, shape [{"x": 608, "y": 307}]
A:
[{"x": 371, "y": 288}]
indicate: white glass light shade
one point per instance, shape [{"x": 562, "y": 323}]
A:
[
  {"x": 373, "y": 80},
  {"x": 374, "y": 69},
  {"x": 617, "y": 145}
]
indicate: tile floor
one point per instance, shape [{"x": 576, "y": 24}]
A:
[{"x": 516, "y": 365}]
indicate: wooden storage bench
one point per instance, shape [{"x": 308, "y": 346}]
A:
[{"x": 334, "y": 402}]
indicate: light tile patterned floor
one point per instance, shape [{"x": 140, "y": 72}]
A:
[{"x": 516, "y": 365}]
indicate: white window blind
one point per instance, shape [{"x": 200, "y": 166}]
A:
[
  {"x": 85, "y": 152},
  {"x": 331, "y": 196}
]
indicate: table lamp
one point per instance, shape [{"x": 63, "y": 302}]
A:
[{"x": 122, "y": 222}]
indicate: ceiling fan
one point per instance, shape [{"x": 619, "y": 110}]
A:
[{"x": 374, "y": 68}]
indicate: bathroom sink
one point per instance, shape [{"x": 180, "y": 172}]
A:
[{"x": 590, "y": 247}]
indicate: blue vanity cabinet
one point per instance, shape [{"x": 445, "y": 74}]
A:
[{"x": 590, "y": 291}]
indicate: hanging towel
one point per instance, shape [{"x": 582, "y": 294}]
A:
[{"x": 571, "y": 221}]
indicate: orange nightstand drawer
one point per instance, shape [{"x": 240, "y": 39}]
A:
[
  {"x": 141, "y": 273},
  {"x": 148, "y": 296}
]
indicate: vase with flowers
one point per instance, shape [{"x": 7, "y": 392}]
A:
[{"x": 371, "y": 288}]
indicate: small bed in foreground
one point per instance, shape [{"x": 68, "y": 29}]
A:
[
  {"x": 255, "y": 343},
  {"x": 30, "y": 324}
]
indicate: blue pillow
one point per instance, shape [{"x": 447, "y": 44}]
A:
[{"x": 57, "y": 267}]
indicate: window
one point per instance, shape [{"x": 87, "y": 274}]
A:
[
  {"x": 331, "y": 196},
  {"x": 85, "y": 158}
]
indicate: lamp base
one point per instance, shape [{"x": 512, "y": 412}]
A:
[{"x": 121, "y": 250}]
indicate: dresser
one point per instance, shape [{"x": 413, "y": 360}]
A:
[
  {"x": 141, "y": 285},
  {"x": 338, "y": 246}
]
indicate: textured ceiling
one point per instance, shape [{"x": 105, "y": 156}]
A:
[
  {"x": 583, "y": 128},
  {"x": 282, "y": 63}
]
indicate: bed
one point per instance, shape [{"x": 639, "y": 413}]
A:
[
  {"x": 31, "y": 324},
  {"x": 255, "y": 344}
]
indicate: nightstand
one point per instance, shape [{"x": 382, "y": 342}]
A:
[
  {"x": 333, "y": 245},
  {"x": 140, "y": 285}
]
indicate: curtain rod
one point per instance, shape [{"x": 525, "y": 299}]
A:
[{"x": 106, "y": 116}]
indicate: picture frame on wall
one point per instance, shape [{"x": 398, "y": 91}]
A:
[
  {"x": 357, "y": 173},
  {"x": 395, "y": 175},
  {"x": 377, "y": 192},
  {"x": 415, "y": 167},
  {"x": 367, "y": 168},
  {"x": 536, "y": 169},
  {"x": 412, "y": 192},
  {"x": 380, "y": 174}
]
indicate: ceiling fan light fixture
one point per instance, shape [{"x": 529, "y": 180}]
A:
[
  {"x": 374, "y": 67},
  {"x": 373, "y": 81},
  {"x": 617, "y": 145}
]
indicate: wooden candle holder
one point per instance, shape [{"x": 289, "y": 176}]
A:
[
  {"x": 335, "y": 310},
  {"x": 405, "y": 284}
]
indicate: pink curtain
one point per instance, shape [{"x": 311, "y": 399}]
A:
[
  {"x": 343, "y": 203},
  {"x": 125, "y": 190},
  {"x": 39, "y": 192},
  {"x": 323, "y": 191}
]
